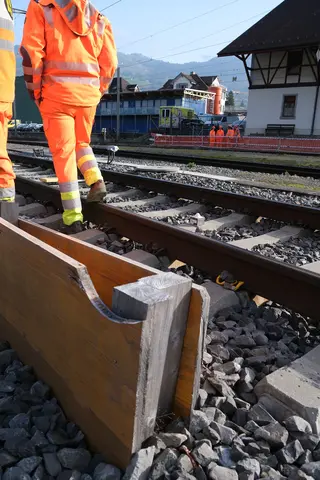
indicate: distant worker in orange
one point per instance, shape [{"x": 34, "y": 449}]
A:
[
  {"x": 212, "y": 136},
  {"x": 230, "y": 135},
  {"x": 7, "y": 77},
  {"x": 219, "y": 137},
  {"x": 69, "y": 59}
]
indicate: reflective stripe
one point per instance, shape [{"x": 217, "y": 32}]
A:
[
  {"x": 92, "y": 175},
  {"x": 48, "y": 15},
  {"x": 71, "y": 204},
  {"x": 6, "y": 45},
  {"x": 33, "y": 86},
  {"x": 93, "y": 82},
  {"x": 84, "y": 159},
  {"x": 6, "y": 24},
  {"x": 88, "y": 164},
  {"x": 7, "y": 193},
  {"x": 9, "y": 199},
  {"x": 83, "y": 151},
  {"x": 68, "y": 187},
  {"x": 71, "y": 13},
  {"x": 32, "y": 71},
  {"x": 70, "y": 195},
  {"x": 72, "y": 66},
  {"x": 101, "y": 25},
  {"x": 63, "y": 3},
  {"x": 71, "y": 216}
]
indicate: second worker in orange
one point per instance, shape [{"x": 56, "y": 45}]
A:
[{"x": 69, "y": 59}]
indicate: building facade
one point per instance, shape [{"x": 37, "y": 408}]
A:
[
  {"x": 280, "y": 55},
  {"x": 139, "y": 110}
]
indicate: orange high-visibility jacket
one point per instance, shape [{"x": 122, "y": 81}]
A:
[
  {"x": 7, "y": 57},
  {"x": 68, "y": 52},
  {"x": 230, "y": 133}
]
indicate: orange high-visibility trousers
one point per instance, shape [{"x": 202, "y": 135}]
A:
[
  {"x": 68, "y": 130},
  {"x": 7, "y": 176},
  {"x": 212, "y": 138}
]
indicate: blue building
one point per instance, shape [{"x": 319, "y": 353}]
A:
[{"x": 139, "y": 111}]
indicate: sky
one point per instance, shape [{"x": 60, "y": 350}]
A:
[{"x": 198, "y": 34}]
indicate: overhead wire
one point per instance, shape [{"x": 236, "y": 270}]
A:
[
  {"x": 164, "y": 30},
  {"x": 111, "y": 5},
  {"x": 190, "y": 42},
  {"x": 220, "y": 31}
]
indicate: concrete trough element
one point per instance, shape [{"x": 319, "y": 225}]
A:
[
  {"x": 132, "y": 192},
  {"x": 53, "y": 221},
  {"x": 294, "y": 389},
  {"x": 312, "y": 267},
  {"x": 220, "y": 298},
  {"x": 174, "y": 212},
  {"x": 32, "y": 209},
  {"x": 159, "y": 169},
  {"x": 114, "y": 355},
  {"x": 147, "y": 201},
  {"x": 282, "y": 235},
  {"x": 228, "y": 221}
]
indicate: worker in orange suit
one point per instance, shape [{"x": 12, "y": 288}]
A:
[
  {"x": 220, "y": 137},
  {"x": 69, "y": 59},
  {"x": 7, "y": 77},
  {"x": 230, "y": 135},
  {"x": 212, "y": 136}
]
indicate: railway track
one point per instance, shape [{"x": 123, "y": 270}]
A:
[
  {"x": 187, "y": 159},
  {"x": 294, "y": 287}
]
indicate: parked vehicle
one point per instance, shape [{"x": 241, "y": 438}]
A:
[
  {"x": 241, "y": 124},
  {"x": 217, "y": 120},
  {"x": 172, "y": 117}
]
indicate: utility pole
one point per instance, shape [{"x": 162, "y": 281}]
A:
[{"x": 118, "y": 103}]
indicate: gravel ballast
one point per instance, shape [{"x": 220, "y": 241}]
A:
[
  {"x": 231, "y": 436},
  {"x": 297, "y": 251},
  {"x": 37, "y": 440}
]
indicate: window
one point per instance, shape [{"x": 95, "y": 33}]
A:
[
  {"x": 165, "y": 113},
  {"x": 289, "y": 106},
  {"x": 181, "y": 86},
  {"x": 294, "y": 62},
  {"x": 144, "y": 103},
  {"x": 150, "y": 103}
]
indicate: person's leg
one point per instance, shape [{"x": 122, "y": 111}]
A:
[
  {"x": 86, "y": 160},
  {"x": 59, "y": 127},
  {"x": 7, "y": 176}
]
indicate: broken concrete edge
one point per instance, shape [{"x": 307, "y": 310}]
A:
[
  {"x": 294, "y": 388},
  {"x": 220, "y": 298}
]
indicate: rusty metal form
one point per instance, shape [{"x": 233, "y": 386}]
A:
[
  {"x": 291, "y": 286},
  {"x": 285, "y": 212}
]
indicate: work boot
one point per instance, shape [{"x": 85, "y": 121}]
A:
[
  {"x": 97, "y": 192},
  {"x": 72, "y": 229}
]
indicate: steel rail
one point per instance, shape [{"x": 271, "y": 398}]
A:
[
  {"x": 255, "y": 205},
  {"x": 215, "y": 162},
  {"x": 293, "y": 287}
]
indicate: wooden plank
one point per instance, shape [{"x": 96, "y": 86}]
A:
[
  {"x": 96, "y": 362},
  {"x": 108, "y": 270},
  {"x": 49, "y": 179},
  {"x": 193, "y": 347}
]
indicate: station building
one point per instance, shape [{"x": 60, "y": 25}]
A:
[{"x": 281, "y": 57}]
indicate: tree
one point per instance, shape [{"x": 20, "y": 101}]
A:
[{"x": 230, "y": 99}]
